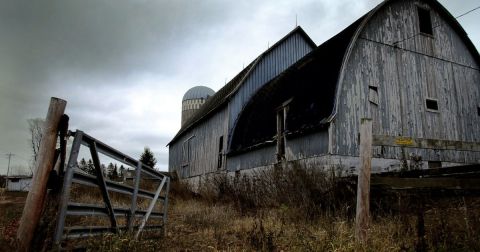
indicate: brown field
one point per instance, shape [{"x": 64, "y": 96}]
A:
[{"x": 246, "y": 216}]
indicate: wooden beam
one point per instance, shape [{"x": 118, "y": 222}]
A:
[
  {"x": 363, "y": 186},
  {"x": 44, "y": 164},
  {"x": 423, "y": 143}
]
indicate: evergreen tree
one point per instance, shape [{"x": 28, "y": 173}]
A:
[
  {"x": 90, "y": 167},
  {"x": 112, "y": 173},
  {"x": 83, "y": 165},
  {"x": 122, "y": 172},
  {"x": 147, "y": 158}
]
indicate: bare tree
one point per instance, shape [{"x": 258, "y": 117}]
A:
[{"x": 35, "y": 127}]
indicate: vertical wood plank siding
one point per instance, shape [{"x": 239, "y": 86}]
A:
[
  {"x": 307, "y": 146},
  {"x": 203, "y": 147},
  {"x": 439, "y": 67},
  {"x": 257, "y": 158}
]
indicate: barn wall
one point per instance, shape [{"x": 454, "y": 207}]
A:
[
  {"x": 203, "y": 149},
  {"x": 275, "y": 62},
  {"x": 307, "y": 146},
  {"x": 22, "y": 185},
  {"x": 438, "y": 66},
  {"x": 298, "y": 148},
  {"x": 260, "y": 157}
]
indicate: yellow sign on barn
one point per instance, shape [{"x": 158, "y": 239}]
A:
[{"x": 404, "y": 141}]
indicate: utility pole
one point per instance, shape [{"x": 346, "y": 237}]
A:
[{"x": 9, "y": 155}]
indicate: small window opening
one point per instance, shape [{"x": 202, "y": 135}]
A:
[
  {"x": 432, "y": 104},
  {"x": 424, "y": 21},
  {"x": 220, "y": 152},
  {"x": 373, "y": 94},
  {"x": 478, "y": 110}
]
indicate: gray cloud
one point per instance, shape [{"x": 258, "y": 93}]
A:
[{"x": 124, "y": 65}]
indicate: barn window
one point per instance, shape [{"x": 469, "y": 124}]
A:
[
  {"x": 220, "y": 152},
  {"x": 432, "y": 104},
  {"x": 281, "y": 129},
  {"x": 186, "y": 151},
  {"x": 424, "y": 21},
  {"x": 373, "y": 94},
  {"x": 478, "y": 110}
]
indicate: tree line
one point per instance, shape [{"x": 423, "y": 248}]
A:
[{"x": 112, "y": 171}]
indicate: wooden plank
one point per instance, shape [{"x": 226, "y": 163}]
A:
[
  {"x": 36, "y": 196},
  {"x": 363, "y": 186},
  {"x": 423, "y": 143},
  {"x": 427, "y": 183}
]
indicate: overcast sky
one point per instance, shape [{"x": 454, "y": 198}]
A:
[{"x": 124, "y": 65}]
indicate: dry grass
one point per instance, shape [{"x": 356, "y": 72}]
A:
[
  {"x": 298, "y": 211},
  {"x": 306, "y": 211}
]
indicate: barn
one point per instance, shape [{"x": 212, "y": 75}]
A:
[
  {"x": 407, "y": 64},
  {"x": 19, "y": 183}
]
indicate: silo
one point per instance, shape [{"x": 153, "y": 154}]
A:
[{"x": 193, "y": 99}]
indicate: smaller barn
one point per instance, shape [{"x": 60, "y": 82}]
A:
[{"x": 19, "y": 183}]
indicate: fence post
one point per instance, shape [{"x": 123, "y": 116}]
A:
[
  {"x": 45, "y": 162},
  {"x": 363, "y": 184}
]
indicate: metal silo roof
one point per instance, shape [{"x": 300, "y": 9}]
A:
[{"x": 198, "y": 92}]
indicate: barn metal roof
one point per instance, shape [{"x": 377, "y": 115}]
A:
[{"x": 222, "y": 96}]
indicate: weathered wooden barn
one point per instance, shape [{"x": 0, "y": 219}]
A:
[{"x": 407, "y": 64}]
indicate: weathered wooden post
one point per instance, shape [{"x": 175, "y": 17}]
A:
[
  {"x": 363, "y": 187},
  {"x": 44, "y": 164}
]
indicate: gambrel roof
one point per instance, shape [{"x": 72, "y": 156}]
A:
[{"x": 313, "y": 82}]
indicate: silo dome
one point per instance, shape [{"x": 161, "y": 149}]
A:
[
  {"x": 198, "y": 92},
  {"x": 193, "y": 99}
]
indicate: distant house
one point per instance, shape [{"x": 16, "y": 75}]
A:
[
  {"x": 19, "y": 183},
  {"x": 407, "y": 64}
]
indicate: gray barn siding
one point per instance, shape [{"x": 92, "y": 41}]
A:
[
  {"x": 447, "y": 72},
  {"x": 257, "y": 158},
  {"x": 204, "y": 146},
  {"x": 298, "y": 148},
  {"x": 307, "y": 146},
  {"x": 275, "y": 62}
]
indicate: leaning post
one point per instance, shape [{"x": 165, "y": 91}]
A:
[
  {"x": 363, "y": 185},
  {"x": 45, "y": 161}
]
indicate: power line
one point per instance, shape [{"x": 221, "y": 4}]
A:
[
  {"x": 9, "y": 155},
  {"x": 472, "y": 10},
  {"x": 457, "y": 17}
]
